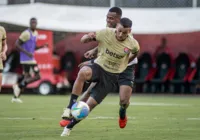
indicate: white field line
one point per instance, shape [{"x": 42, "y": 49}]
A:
[
  {"x": 193, "y": 119},
  {"x": 94, "y": 118},
  {"x": 148, "y": 104}
]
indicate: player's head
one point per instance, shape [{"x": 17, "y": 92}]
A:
[
  {"x": 123, "y": 29},
  {"x": 113, "y": 17},
  {"x": 33, "y": 23}
]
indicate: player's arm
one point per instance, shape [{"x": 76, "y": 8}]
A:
[
  {"x": 135, "y": 52},
  {"x": 132, "y": 56},
  {"x": 88, "y": 38},
  {"x": 18, "y": 45},
  {"x": 95, "y": 36},
  {"x": 43, "y": 46},
  {"x": 4, "y": 46},
  {"x": 91, "y": 53}
]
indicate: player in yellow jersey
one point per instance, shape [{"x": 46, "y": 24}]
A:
[
  {"x": 125, "y": 81},
  {"x": 3, "y": 50},
  {"x": 117, "y": 48}
]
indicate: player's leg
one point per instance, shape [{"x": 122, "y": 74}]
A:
[
  {"x": 1, "y": 71},
  {"x": 84, "y": 75},
  {"x": 86, "y": 94},
  {"x": 20, "y": 85},
  {"x": 84, "y": 98},
  {"x": 125, "y": 92},
  {"x": 104, "y": 85},
  {"x": 29, "y": 79},
  {"x": 0, "y": 79},
  {"x": 92, "y": 103}
]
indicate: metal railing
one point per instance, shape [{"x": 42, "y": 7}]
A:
[{"x": 120, "y": 3}]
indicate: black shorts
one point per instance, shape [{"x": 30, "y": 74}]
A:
[
  {"x": 127, "y": 76},
  {"x": 27, "y": 68},
  {"x": 106, "y": 82},
  {"x": 1, "y": 71}
]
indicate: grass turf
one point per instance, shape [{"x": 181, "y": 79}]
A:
[{"x": 151, "y": 117}]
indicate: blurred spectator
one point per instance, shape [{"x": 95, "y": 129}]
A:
[{"x": 162, "y": 48}]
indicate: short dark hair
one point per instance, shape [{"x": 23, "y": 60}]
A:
[
  {"x": 116, "y": 10},
  {"x": 33, "y": 18},
  {"x": 126, "y": 22}
]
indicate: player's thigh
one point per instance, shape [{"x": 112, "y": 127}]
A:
[
  {"x": 101, "y": 89},
  {"x": 92, "y": 85},
  {"x": 26, "y": 70}
]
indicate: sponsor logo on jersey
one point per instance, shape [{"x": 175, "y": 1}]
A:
[{"x": 114, "y": 54}]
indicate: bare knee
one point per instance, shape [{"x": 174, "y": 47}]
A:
[{"x": 85, "y": 73}]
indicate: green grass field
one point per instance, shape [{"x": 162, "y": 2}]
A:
[{"x": 151, "y": 118}]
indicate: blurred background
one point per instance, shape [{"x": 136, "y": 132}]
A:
[{"x": 168, "y": 32}]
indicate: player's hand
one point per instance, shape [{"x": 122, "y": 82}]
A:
[
  {"x": 89, "y": 54},
  {"x": 84, "y": 64},
  {"x": 92, "y": 35},
  {"x": 3, "y": 56}
]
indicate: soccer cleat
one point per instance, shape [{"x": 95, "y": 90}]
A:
[
  {"x": 122, "y": 123},
  {"x": 66, "y": 132},
  {"x": 64, "y": 123},
  {"x": 66, "y": 114},
  {"x": 16, "y": 100},
  {"x": 16, "y": 90}
]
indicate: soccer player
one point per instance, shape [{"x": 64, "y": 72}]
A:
[
  {"x": 126, "y": 78},
  {"x": 3, "y": 50},
  {"x": 26, "y": 44},
  {"x": 115, "y": 45}
]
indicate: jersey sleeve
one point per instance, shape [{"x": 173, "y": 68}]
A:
[
  {"x": 4, "y": 33},
  {"x": 100, "y": 35},
  {"x": 25, "y": 36},
  {"x": 136, "y": 47}
]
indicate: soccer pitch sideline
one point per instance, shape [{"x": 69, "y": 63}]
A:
[{"x": 150, "y": 118}]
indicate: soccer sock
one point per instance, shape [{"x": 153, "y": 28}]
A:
[
  {"x": 73, "y": 99},
  {"x": 72, "y": 123},
  {"x": 122, "y": 111}
]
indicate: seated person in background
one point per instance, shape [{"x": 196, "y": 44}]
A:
[{"x": 162, "y": 48}]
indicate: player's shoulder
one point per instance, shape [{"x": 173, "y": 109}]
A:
[
  {"x": 133, "y": 41},
  {"x": 25, "y": 32},
  {"x": 2, "y": 28}
]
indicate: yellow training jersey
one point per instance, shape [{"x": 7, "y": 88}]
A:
[
  {"x": 2, "y": 36},
  {"x": 25, "y": 35},
  {"x": 113, "y": 55}
]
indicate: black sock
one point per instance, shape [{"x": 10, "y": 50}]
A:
[
  {"x": 73, "y": 99},
  {"x": 72, "y": 123},
  {"x": 122, "y": 112}
]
